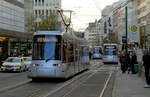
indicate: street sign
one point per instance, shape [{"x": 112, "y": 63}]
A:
[
  {"x": 134, "y": 33},
  {"x": 124, "y": 39}
]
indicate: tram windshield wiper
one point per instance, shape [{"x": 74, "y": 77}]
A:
[{"x": 47, "y": 60}]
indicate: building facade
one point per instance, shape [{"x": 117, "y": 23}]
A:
[
  {"x": 12, "y": 30},
  {"x": 46, "y": 7},
  {"x": 103, "y": 31},
  {"x": 94, "y": 33},
  {"x": 29, "y": 16},
  {"x": 143, "y": 15}
]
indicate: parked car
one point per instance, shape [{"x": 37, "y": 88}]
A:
[
  {"x": 27, "y": 61},
  {"x": 13, "y": 64}
]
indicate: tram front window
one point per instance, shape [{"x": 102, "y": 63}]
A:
[
  {"x": 97, "y": 51},
  {"x": 110, "y": 52},
  {"x": 47, "y": 47}
]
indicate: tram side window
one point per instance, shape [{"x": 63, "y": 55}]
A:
[
  {"x": 65, "y": 52},
  {"x": 68, "y": 52},
  {"x": 71, "y": 55},
  {"x": 110, "y": 52}
]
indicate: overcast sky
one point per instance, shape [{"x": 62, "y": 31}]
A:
[{"x": 85, "y": 11}]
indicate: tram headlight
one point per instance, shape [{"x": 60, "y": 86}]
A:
[
  {"x": 35, "y": 65},
  {"x": 56, "y": 64}
]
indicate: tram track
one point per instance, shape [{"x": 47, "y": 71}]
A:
[
  {"x": 73, "y": 90},
  {"x": 43, "y": 89},
  {"x": 36, "y": 89}
]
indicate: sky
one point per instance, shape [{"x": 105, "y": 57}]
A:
[{"x": 85, "y": 11}]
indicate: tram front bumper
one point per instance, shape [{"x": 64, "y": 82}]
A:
[
  {"x": 45, "y": 73},
  {"x": 110, "y": 59}
]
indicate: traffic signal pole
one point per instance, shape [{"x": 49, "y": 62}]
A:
[{"x": 126, "y": 28}]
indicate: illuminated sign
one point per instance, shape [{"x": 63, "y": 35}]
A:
[
  {"x": 40, "y": 39},
  {"x": 110, "y": 47}
]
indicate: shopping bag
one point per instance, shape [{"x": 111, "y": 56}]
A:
[{"x": 137, "y": 68}]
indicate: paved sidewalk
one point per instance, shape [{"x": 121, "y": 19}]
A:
[{"x": 129, "y": 85}]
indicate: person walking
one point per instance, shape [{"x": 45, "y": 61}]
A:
[
  {"x": 133, "y": 62},
  {"x": 128, "y": 62},
  {"x": 146, "y": 63},
  {"x": 123, "y": 62},
  {"x": 90, "y": 55}
]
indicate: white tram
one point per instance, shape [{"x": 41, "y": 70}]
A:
[
  {"x": 110, "y": 53},
  {"x": 97, "y": 52},
  {"x": 57, "y": 55}
]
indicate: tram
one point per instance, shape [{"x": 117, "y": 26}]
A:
[
  {"x": 97, "y": 52},
  {"x": 58, "y": 55},
  {"x": 110, "y": 53}
]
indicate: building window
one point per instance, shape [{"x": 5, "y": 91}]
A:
[{"x": 46, "y": 12}]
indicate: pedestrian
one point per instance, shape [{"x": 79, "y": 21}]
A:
[
  {"x": 146, "y": 63},
  {"x": 128, "y": 56},
  {"x": 90, "y": 55},
  {"x": 133, "y": 62},
  {"x": 123, "y": 62}
]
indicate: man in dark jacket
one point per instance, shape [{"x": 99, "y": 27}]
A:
[
  {"x": 123, "y": 62},
  {"x": 146, "y": 63}
]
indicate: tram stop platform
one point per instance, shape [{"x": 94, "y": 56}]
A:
[{"x": 130, "y": 85}]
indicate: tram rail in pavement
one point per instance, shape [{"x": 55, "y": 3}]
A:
[{"x": 94, "y": 85}]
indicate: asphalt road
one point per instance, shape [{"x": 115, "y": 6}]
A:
[{"x": 95, "y": 82}]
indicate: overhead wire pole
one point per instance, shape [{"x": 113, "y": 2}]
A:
[{"x": 67, "y": 25}]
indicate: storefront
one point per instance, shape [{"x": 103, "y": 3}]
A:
[
  {"x": 3, "y": 47},
  {"x": 14, "y": 43},
  {"x": 20, "y": 47}
]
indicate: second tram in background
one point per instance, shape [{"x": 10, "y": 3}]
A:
[
  {"x": 97, "y": 52},
  {"x": 58, "y": 55},
  {"x": 110, "y": 53}
]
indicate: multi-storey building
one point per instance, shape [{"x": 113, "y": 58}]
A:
[
  {"x": 11, "y": 26},
  {"x": 115, "y": 19},
  {"x": 86, "y": 34},
  {"x": 94, "y": 33},
  {"x": 46, "y": 7},
  {"x": 118, "y": 21},
  {"x": 103, "y": 31},
  {"x": 29, "y": 16},
  {"x": 142, "y": 11},
  {"x": 143, "y": 14},
  {"x": 43, "y": 8}
]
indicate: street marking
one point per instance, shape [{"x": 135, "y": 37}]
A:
[
  {"x": 65, "y": 84},
  {"x": 78, "y": 85},
  {"x": 106, "y": 84},
  {"x": 69, "y": 82},
  {"x": 14, "y": 86}
]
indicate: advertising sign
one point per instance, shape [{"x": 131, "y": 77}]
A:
[{"x": 134, "y": 34}]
